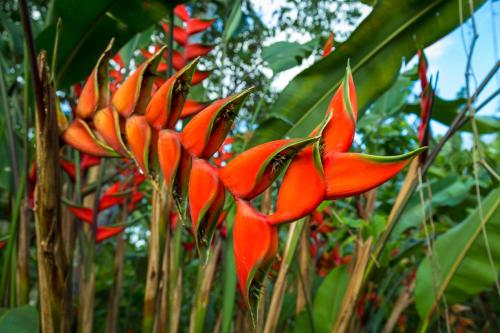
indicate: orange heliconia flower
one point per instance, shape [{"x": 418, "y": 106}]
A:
[
  {"x": 95, "y": 92},
  {"x": 255, "y": 245},
  {"x": 139, "y": 135},
  {"x": 134, "y": 91},
  {"x": 254, "y": 170},
  {"x": 206, "y": 200},
  {"x": 165, "y": 106},
  {"x": 206, "y": 131},
  {"x": 80, "y": 136}
]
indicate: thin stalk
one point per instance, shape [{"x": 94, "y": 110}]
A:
[
  {"x": 229, "y": 292},
  {"x": 280, "y": 285},
  {"x": 175, "y": 281},
  {"x": 23, "y": 252},
  {"x": 114, "y": 293},
  {"x": 304, "y": 282},
  {"x": 153, "y": 270},
  {"x": 10, "y": 248},
  {"x": 163, "y": 316},
  {"x": 205, "y": 278},
  {"x": 354, "y": 287},
  {"x": 23, "y": 247},
  {"x": 87, "y": 254},
  {"x": 10, "y": 129}
]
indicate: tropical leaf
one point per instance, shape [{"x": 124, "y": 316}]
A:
[
  {"x": 281, "y": 56},
  {"x": 327, "y": 302},
  {"x": 460, "y": 267},
  {"x": 83, "y": 38},
  {"x": 375, "y": 50},
  {"x": 448, "y": 192},
  {"x": 23, "y": 319}
]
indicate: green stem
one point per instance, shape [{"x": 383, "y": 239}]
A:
[{"x": 8, "y": 255}]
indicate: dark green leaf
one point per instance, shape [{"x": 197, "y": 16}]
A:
[
  {"x": 460, "y": 267},
  {"x": 23, "y": 319},
  {"x": 88, "y": 26}
]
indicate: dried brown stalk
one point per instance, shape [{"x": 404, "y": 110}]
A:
[
  {"x": 353, "y": 288},
  {"x": 52, "y": 260}
]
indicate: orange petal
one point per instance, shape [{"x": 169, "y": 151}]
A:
[
  {"x": 139, "y": 139},
  {"x": 327, "y": 48},
  {"x": 303, "y": 187},
  {"x": 169, "y": 155},
  {"x": 107, "y": 124},
  {"x": 254, "y": 170},
  {"x": 95, "y": 92},
  {"x": 166, "y": 104},
  {"x": 180, "y": 35},
  {"x": 206, "y": 131},
  {"x": 111, "y": 197},
  {"x": 79, "y": 136},
  {"x": 68, "y": 167},
  {"x": 196, "y": 25},
  {"x": 178, "y": 60},
  {"x": 255, "y": 245},
  {"x": 339, "y": 132},
  {"x": 104, "y": 233},
  {"x": 349, "y": 174},
  {"x": 199, "y": 76},
  {"x": 182, "y": 12},
  {"x": 83, "y": 213},
  {"x": 206, "y": 199},
  {"x": 192, "y": 51},
  {"x": 134, "y": 92},
  {"x": 191, "y": 107}
]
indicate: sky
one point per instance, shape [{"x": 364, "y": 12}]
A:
[{"x": 447, "y": 56}]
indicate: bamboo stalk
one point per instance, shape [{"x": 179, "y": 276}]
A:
[
  {"x": 353, "y": 288},
  {"x": 304, "y": 283},
  {"x": 52, "y": 261},
  {"x": 162, "y": 318},
  {"x": 280, "y": 285},
  {"x": 153, "y": 270},
  {"x": 206, "y": 275}
]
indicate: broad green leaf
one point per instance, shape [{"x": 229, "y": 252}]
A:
[
  {"x": 327, "y": 302},
  {"x": 393, "y": 31},
  {"x": 460, "y": 267},
  {"x": 447, "y": 192},
  {"x": 23, "y": 319},
  {"x": 281, "y": 56},
  {"x": 88, "y": 26}
]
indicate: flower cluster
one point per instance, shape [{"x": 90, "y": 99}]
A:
[{"x": 140, "y": 124}]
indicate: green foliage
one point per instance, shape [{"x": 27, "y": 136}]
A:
[
  {"x": 83, "y": 40},
  {"x": 375, "y": 51},
  {"x": 23, "y": 319},
  {"x": 459, "y": 257}
]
